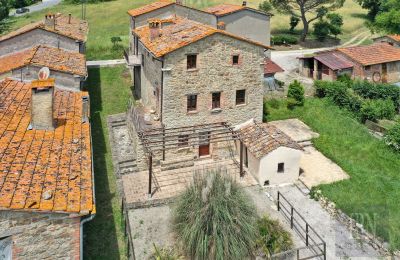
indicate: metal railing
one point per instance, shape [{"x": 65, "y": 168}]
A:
[{"x": 314, "y": 243}]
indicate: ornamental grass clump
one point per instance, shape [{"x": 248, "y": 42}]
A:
[{"x": 215, "y": 219}]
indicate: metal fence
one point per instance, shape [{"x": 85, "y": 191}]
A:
[{"x": 315, "y": 245}]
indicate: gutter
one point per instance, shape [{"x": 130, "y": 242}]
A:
[{"x": 91, "y": 217}]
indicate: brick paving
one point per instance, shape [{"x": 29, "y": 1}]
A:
[{"x": 170, "y": 183}]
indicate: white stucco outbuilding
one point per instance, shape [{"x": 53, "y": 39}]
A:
[{"x": 270, "y": 155}]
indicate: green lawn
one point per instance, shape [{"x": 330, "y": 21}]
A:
[
  {"x": 109, "y": 90},
  {"x": 372, "y": 193},
  {"x": 110, "y": 19}
]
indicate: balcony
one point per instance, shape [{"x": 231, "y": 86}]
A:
[{"x": 132, "y": 60}]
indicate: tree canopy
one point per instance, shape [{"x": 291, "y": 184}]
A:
[
  {"x": 4, "y": 11},
  {"x": 373, "y": 7},
  {"x": 388, "y": 18},
  {"x": 307, "y": 10}
]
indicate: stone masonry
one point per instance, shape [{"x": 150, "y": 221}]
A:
[{"x": 40, "y": 235}]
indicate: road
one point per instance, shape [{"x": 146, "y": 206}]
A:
[{"x": 38, "y": 7}]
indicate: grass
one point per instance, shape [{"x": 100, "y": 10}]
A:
[
  {"x": 371, "y": 195},
  {"x": 110, "y": 19},
  {"x": 109, "y": 92}
]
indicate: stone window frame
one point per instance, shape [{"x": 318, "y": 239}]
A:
[
  {"x": 196, "y": 62},
  {"x": 238, "y": 59},
  {"x": 219, "y": 101},
  {"x": 242, "y": 100},
  {"x": 191, "y": 108}
]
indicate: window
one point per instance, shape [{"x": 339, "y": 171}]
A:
[
  {"x": 240, "y": 96},
  {"x": 281, "y": 167},
  {"x": 216, "y": 100},
  {"x": 191, "y": 103},
  {"x": 235, "y": 59},
  {"x": 368, "y": 67},
  {"x": 5, "y": 248},
  {"x": 183, "y": 140},
  {"x": 191, "y": 61}
]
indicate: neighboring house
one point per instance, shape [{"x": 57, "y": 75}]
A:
[
  {"x": 393, "y": 39},
  {"x": 46, "y": 175},
  {"x": 379, "y": 62},
  {"x": 236, "y": 19},
  {"x": 56, "y": 30},
  {"x": 192, "y": 73},
  {"x": 270, "y": 69},
  {"x": 270, "y": 155},
  {"x": 68, "y": 68}
]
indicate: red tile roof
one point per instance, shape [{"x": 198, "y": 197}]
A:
[
  {"x": 262, "y": 139},
  {"x": 395, "y": 37},
  {"x": 334, "y": 60},
  {"x": 224, "y": 9},
  {"x": 372, "y": 54},
  {"x": 76, "y": 29},
  {"x": 44, "y": 170},
  {"x": 179, "y": 33},
  {"x": 150, "y": 7},
  {"x": 45, "y": 56},
  {"x": 271, "y": 67}
]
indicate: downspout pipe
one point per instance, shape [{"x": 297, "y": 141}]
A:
[{"x": 91, "y": 217}]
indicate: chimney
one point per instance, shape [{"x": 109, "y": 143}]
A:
[
  {"x": 154, "y": 29},
  {"x": 244, "y": 3},
  {"x": 50, "y": 21},
  {"x": 179, "y": 2},
  {"x": 42, "y": 104},
  {"x": 69, "y": 18},
  {"x": 221, "y": 26}
]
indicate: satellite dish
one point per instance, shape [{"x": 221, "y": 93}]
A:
[{"x": 44, "y": 73}]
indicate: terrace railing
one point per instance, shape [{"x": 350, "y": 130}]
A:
[{"x": 315, "y": 245}]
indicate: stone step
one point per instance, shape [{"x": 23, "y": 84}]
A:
[
  {"x": 305, "y": 143},
  {"x": 117, "y": 124}
]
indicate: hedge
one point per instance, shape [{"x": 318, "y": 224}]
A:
[{"x": 284, "y": 39}]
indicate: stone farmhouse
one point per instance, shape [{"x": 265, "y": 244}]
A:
[
  {"x": 46, "y": 175},
  {"x": 56, "y": 30},
  {"x": 379, "y": 62},
  {"x": 68, "y": 68},
  {"x": 392, "y": 39}
]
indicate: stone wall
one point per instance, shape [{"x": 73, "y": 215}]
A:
[
  {"x": 37, "y": 37},
  {"x": 214, "y": 72},
  {"x": 40, "y": 235},
  {"x": 64, "y": 80}
]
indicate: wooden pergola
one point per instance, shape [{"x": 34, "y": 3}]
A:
[{"x": 163, "y": 139}]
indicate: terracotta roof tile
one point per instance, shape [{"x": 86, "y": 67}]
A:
[
  {"x": 77, "y": 29},
  {"x": 372, "y": 54},
  {"x": 271, "y": 67},
  {"x": 150, "y": 7},
  {"x": 179, "y": 33},
  {"x": 261, "y": 139},
  {"x": 44, "y": 170},
  {"x": 45, "y": 56},
  {"x": 395, "y": 37},
  {"x": 224, "y": 9}
]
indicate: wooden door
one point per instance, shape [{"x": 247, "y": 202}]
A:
[
  {"x": 204, "y": 146},
  {"x": 384, "y": 73}
]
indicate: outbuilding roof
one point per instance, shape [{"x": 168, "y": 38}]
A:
[
  {"x": 271, "y": 67},
  {"x": 376, "y": 53},
  {"x": 179, "y": 32},
  {"x": 262, "y": 139},
  {"x": 44, "y": 170},
  {"x": 225, "y": 9},
  {"x": 150, "y": 7},
  {"x": 395, "y": 37},
  {"x": 334, "y": 60},
  {"x": 45, "y": 56},
  {"x": 69, "y": 27}
]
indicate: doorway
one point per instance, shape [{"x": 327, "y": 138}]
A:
[
  {"x": 384, "y": 73},
  {"x": 204, "y": 144}
]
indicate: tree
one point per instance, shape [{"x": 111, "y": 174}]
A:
[
  {"x": 373, "y": 7},
  {"x": 336, "y": 23},
  {"x": 294, "y": 21},
  {"x": 265, "y": 6},
  {"x": 307, "y": 10},
  {"x": 387, "y": 20},
  {"x": 4, "y": 11},
  {"x": 321, "y": 30},
  {"x": 115, "y": 40},
  {"x": 295, "y": 95},
  {"x": 215, "y": 219}
]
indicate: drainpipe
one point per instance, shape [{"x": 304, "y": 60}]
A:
[
  {"x": 91, "y": 217},
  {"x": 162, "y": 91}
]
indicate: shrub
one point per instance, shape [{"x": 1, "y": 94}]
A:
[
  {"x": 321, "y": 30},
  {"x": 291, "y": 103},
  {"x": 377, "y": 109},
  {"x": 321, "y": 88},
  {"x": 336, "y": 23},
  {"x": 274, "y": 103},
  {"x": 345, "y": 78},
  {"x": 392, "y": 137},
  {"x": 296, "y": 92},
  {"x": 265, "y": 6},
  {"x": 284, "y": 39},
  {"x": 165, "y": 254},
  {"x": 215, "y": 219},
  {"x": 272, "y": 238},
  {"x": 294, "y": 21},
  {"x": 370, "y": 90}
]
